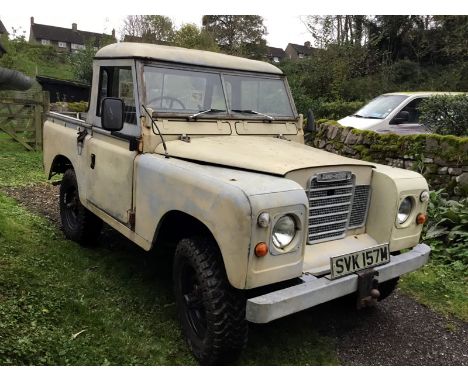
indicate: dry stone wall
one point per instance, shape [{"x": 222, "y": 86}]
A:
[{"x": 443, "y": 160}]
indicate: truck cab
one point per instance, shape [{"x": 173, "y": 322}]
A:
[{"x": 206, "y": 151}]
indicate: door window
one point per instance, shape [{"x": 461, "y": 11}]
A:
[
  {"x": 413, "y": 109},
  {"x": 118, "y": 82}
]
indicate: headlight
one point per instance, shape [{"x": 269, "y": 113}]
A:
[
  {"x": 405, "y": 209},
  {"x": 284, "y": 231}
]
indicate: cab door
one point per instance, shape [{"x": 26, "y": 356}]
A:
[{"x": 110, "y": 160}]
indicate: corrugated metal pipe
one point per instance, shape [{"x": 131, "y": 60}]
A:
[{"x": 14, "y": 80}]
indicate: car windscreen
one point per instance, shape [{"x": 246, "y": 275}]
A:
[
  {"x": 380, "y": 107},
  {"x": 183, "y": 91},
  {"x": 262, "y": 95}
]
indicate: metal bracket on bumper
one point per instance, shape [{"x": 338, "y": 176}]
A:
[{"x": 314, "y": 291}]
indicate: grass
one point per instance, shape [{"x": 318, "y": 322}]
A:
[
  {"x": 18, "y": 167},
  {"x": 441, "y": 287},
  {"x": 62, "y": 304}
]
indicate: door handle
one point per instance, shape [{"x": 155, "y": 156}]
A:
[{"x": 93, "y": 161}]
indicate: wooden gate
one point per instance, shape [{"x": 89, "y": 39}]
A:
[{"x": 22, "y": 116}]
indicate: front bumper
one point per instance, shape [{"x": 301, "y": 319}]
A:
[{"x": 314, "y": 290}]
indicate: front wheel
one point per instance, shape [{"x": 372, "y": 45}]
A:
[
  {"x": 78, "y": 223},
  {"x": 211, "y": 312}
]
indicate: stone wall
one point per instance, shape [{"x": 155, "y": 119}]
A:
[{"x": 443, "y": 160}]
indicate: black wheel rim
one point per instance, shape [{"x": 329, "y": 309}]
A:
[
  {"x": 71, "y": 204},
  {"x": 194, "y": 309}
]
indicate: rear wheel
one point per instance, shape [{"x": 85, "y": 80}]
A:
[
  {"x": 78, "y": 223},
  {"x": 211, "y": 312}
]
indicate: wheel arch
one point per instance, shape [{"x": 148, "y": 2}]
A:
[
  {"x": 176, "y": 225},
  {"x": 59, "y": 165}
]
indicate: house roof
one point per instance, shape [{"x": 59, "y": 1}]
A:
[
  {"x": 3, "y": 30},
  {"x": 2, "y": 49},
  {"x": 302, "y": 49},
  {"x": 53, "y": 33},
  {"x": 275, "y": 52},
  {"x": 184, "y": 56}
]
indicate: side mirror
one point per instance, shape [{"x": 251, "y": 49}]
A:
[
  {"x": 401, "y": 117},
  {"x": 310, "y": 126},
  {"x": 112, "y": 114}
]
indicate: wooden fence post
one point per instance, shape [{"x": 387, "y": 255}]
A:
[{"x": 37, "y": 122}]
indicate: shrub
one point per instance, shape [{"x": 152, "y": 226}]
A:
[
  {"x": 337, "y": 109},
  {"x": 445, "y": 114},
  {"x": 447, "y": 230}
]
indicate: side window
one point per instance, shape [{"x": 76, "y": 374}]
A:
[
  {"x": 413, "y": 109},
  {"x": 117, "y": 82}
]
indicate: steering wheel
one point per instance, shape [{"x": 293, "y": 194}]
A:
[{"x": 172, "y": 100}]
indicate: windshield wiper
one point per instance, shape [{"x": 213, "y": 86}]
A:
[
  {"x": 365, "y": 116},
  {"x": 205, "y": 112},
  {"x": 253, "y": 112}
]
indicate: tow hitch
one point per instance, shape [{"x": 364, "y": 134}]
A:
[{"x": 367, "y": 292}]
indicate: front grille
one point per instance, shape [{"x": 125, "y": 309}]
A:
[
  {"x": 334, "y": 207},
  {"x": 330, "y": 206},
  {"x": 360, "y": 205}
]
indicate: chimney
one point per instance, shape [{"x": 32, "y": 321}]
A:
[
  {"x": 74, "y": 27},
  {"x": 307, "y": 44},
  {"x": 32, "y": 20},
  {"x": 113, "y": 33}
]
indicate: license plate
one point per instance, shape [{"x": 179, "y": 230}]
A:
[{"x": 356, "y": 261}]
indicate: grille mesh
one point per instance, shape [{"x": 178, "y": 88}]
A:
[
  {"x": 327, "y": 195},
  {"x": 359, "y": 209},
  {"x": 334, "y": 207}
]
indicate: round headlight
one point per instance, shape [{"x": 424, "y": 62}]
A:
[
  {"x": 284, "y": 231},
  {"x": 424, "y": 197},
  {"x": 404, "y": 211}
]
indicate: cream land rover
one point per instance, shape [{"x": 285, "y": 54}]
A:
[{"x": 206, "y": 152}]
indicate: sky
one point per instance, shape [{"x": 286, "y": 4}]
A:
[
  {"x": 297, "y": 32},
  {"x": 281, "y": 18}
]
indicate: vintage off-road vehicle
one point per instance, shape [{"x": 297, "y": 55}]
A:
[{"x": 206, "y": 151}]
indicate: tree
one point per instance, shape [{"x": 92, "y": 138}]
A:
[
  {"x": 190, "y": 36},
  {"x": 241, "y": 35},
  {"x": 337, "y": 29},
  {"x": 82, "y": 60},
  {"x": 150, "y": 28}
]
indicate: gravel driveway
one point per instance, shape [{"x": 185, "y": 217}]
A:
[{"x": 399, "y": 331}]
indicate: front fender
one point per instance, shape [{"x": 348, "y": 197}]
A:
[{"x": 165, "y": 184}]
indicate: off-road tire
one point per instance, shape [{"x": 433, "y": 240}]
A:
[
  {"x": 210, "y": 310},
  {"x": 387, "y": 287},
  {"x": 78, "y": 223}
]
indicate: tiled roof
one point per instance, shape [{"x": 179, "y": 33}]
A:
[
  {"x": 275, "y": 52},
  {"x": 52, "y": 33},
  {"x": 302, "y": 49},
  {"x": 3, "y": 30}
]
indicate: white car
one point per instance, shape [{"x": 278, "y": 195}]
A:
[{"x": 391, "y": 113}]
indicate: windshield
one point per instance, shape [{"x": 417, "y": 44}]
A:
[
  {"x": 175, "y": 90},
  {"x": 191, "y": 92},
  {"x": 262, "y": 95},
  {"x": 380, "y": 107}
]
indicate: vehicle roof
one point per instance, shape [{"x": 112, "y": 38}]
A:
[
  {"x": 184, "y": 56},
  {"x": 423, "y": 93}
]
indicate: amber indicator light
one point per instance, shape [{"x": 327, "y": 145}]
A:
[
  {"x": 421, "y": 218},
  {"x": 261, "y": 249}
]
